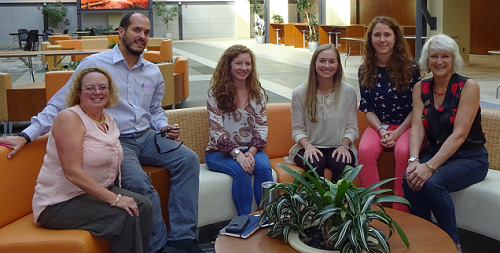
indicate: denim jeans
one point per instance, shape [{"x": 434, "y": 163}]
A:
[
  {"x": 462, "y": 169},
  {"x": 242, "y": 181},
  {"x": 183, "y": 164}
]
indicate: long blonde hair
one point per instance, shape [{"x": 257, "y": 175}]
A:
[
  {"x": 222, "y": 86},
  {"x": 313, "y": 82}
]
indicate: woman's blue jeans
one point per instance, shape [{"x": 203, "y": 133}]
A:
[
  {"x": 242, "y": 181},
  {"x": 462, "y": 169}
]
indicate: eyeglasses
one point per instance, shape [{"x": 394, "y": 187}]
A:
[{"x": 94, "y": 88}]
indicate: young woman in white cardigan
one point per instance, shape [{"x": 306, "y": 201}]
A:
[{"x": 324, "y": 117}]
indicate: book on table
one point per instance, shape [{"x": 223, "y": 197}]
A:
[{"x": 251, "y": 227}]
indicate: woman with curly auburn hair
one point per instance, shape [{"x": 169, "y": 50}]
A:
[
  {"x": 324, "y": 119},
  {"x": 75, "y": 187},
  {"x": 386, "y": 80},
  {"x": 236, "y": 107}
]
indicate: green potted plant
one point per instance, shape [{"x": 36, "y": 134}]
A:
[
  {"x": 167, "y": 14},
  {"x": 338, "y": 213},
  {"x": 278, "y": 19},
  {"x": 304, "y": 9},
  {"x": 259, "y": 25},
  {"x": 56, "y": 14}
]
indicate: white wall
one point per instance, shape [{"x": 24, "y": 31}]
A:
[
  {"x": 209, "y": 21},
  {"x": 29, "y": 17}
]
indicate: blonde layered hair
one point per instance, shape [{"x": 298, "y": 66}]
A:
[
  {"x": 400, "y": 66},
  {"x": 73, "y": 97},
  {"x": 222, "y": 86},
  {"x": 313, "y": 83}
]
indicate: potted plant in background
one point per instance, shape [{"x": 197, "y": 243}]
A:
[
  {"x": 278, "y": 19},
  {"x": 167, "y": 14},
  {"x": 304, "y": 9},
  {"x": 258, "y": 12},
  {"x": 55, "y": 13},
  {"x": 338, "y": 214}
]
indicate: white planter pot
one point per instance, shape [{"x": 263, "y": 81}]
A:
[
  {"x": 298, "y": 245},
  {"x": 169, "y": 35},
  {"x": 260, "y": 39},
  {"x": 313, "y": 46}
]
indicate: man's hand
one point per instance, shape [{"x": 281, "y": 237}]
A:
[
  {"x": 172, "y": 131},
  {"x": 18, "y": 142}
]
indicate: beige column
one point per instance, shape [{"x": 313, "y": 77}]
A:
[
  {"x": 453, "y": 19},
  {"x": 242, "y": 18},
  {"x": 338, "y": 12},
  {"x": 279, "y": 7}
]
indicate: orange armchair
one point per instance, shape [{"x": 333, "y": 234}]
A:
[
  {"x": 181, "y": 85},
  {"x": 54, "y": 81},
  {"x": 5, "y": 84},
  {"x": 18, "y": 232},
  {"x": 164, "y": 55},
  {"x": 71, "y": 45}
]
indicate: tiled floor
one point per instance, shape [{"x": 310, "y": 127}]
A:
[{"x": 280, "y": 70}]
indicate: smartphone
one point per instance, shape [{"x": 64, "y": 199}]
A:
[
  {"x": 237, "y": 224},
  {"x": 164, "y": 133}
]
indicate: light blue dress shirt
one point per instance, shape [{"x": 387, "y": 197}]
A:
[{"x": 141, "y": 89}]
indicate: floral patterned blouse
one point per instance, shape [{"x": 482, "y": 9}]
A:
[
  {"x": 438, "y": 123},
  {"x": 390, "y": 105},
  {"x": 243, "y": 128}
]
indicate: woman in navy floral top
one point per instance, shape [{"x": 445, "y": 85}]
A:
[
  {"x": 236, "y": 107},
  {"x": 386, "y": 80},
  {"x": 446, "y": 110}
]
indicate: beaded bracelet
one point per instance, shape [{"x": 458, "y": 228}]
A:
[{"x": 117, "y": 200}]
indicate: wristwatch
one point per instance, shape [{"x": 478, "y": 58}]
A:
[
  {"x": 236, "y": 153},
  {"x": 28, "y": 139},
  {"x": 412, "y": 159}
]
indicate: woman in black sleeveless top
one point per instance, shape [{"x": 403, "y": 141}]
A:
[{"x": 445, "y": 107}]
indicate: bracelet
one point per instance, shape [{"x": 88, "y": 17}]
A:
[
  {"x": 345, "y": 146},
  {"x": 117, "y": 200},
  {"x": 429, "y": 165},
  {"x": 378, "y": 131}
]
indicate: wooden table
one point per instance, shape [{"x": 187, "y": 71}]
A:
[
  {"x": 496, "y": 52},
  {"x": 25, "y": 57},
  {"x": 351, "y": 31},
  {"x": 423, "y": 236},
  {"x": 26, "y": 101},
  {"x": 357, "y": 42},
  {"x": 110, "y": 33},
  {"x": 272, "y": 33},
  {"x": 79, "y": 33},
  {"x": 63, "y": 53}
]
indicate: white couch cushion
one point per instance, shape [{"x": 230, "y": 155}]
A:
[
  {"x": 215, "y": 203},
  {"x": 477, "y": 207}
]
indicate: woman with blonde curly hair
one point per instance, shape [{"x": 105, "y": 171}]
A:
[
  {"x": 75, "y": 188},
  {"x": 236, "y": 107},
  {"x": 386, "y": 80},
  {"x": 324, "y": 119}
]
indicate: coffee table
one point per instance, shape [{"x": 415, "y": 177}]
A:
[{"x": 423, "y": 236}]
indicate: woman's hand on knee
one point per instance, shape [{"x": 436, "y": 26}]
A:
[
  {"x": 342, "y": 152},
  {"x": 311, "y": 152},
  {"x": 245, "y": 163},
  {"x": 129, "y": 205},
  {"x": 417, "y": 176}
]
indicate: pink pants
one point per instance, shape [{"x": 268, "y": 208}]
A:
[{"x": 368, "y": 153}]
